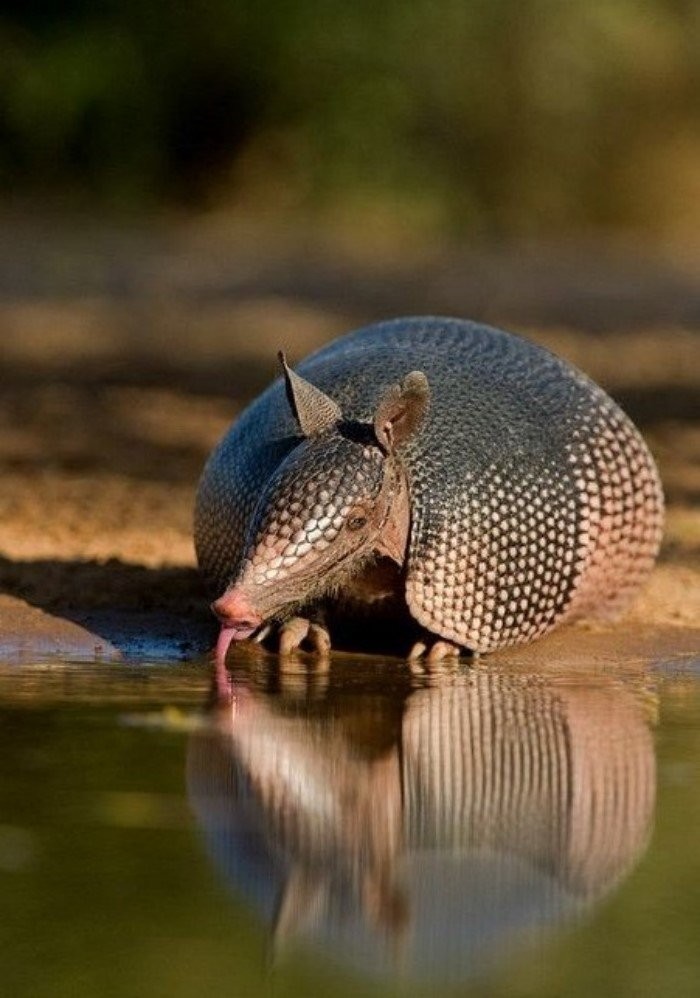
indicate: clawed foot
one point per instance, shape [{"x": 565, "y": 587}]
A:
[
  {"x": 303, "y": 634},
  {"x": 299, "y": 633},
  {"x": 295, "y": 634},
  {"x": 433, "y": 650}
]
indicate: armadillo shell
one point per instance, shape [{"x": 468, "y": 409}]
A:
[{"x": 533, "y": 496}]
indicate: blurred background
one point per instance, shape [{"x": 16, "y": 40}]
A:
[
  {"x": 480, "y": 119},
  {"x": 184, "y": 188}
]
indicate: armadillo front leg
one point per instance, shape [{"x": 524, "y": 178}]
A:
[
  {"x": 433, "y": 649},
  {"x": 299, "y": 630}
]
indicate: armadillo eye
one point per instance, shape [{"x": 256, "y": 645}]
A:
[{"x": 356, "y": 521}]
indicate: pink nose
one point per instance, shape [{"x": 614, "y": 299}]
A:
[{"x": 235, "y": 611}]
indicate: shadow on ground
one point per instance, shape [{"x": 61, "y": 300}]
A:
[{"x": 112, "y": 609}]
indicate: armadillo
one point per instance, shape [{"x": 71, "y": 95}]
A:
[{"x": 470, "y": 475}]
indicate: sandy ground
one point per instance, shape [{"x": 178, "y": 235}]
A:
[{"x": 125, "y": 354}]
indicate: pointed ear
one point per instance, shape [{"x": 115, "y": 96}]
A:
[
  {"x": 401, "y": 411},
  {"x": 313, "y": 409}
]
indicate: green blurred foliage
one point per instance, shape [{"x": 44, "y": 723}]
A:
[{"x": 498, "y": 116}]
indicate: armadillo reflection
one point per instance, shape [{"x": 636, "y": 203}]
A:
[
  {"x": 429, "y": 834},
  {"x": 461, "y": 471}
]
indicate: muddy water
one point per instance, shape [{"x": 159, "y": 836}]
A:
[{"x": 500, "y": 830}]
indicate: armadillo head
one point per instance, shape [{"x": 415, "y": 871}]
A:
[{"x": 339, "y": 499}]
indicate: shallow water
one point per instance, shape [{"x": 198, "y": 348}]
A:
[{"x": 493, "y": 830}]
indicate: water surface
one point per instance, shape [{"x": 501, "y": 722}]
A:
[{"x": 493, "y": 830}]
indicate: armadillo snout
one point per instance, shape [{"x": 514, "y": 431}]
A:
[{"x": 235, "y": 612}]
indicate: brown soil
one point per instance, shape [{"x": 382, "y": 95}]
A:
[{"x": 123, "y": 357}]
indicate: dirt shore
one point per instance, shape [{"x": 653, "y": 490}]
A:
[{"x": 124, "y": 356}]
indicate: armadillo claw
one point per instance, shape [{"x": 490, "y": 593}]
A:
[
  {"x": 294, "y": 632},
  {"x": 417, "y": 651},
  {"x": 320, "y": 639},
  {"x": 263, "y": 633},
  {"x": 441, "y": 650},
  {"x": 435, "y": 652}
]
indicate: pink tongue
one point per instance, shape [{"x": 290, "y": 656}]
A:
[
  {"x": 226, "y": 636},
  {"x": 223, "y": 680},
  {"x": 230, "y": 693}
]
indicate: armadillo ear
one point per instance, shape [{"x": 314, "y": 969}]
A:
[
  {"x": 401, "y": 411},
  {"x": 313, "y": 409}
]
